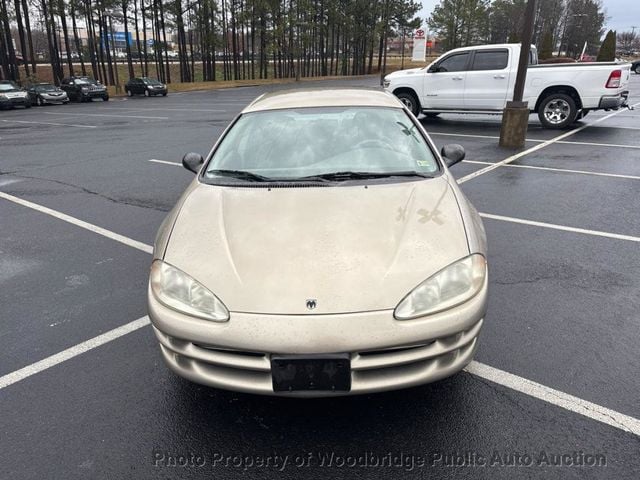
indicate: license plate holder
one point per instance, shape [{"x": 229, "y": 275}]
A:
[{"x": 311, "y": 373}]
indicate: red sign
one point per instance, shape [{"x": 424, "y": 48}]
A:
[
  {"x": 419, "y": 34},
  {"x": 429, "y": 44}
]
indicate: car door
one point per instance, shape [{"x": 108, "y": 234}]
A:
[
  {"x": 31, "y": 91},
  {"x": 66, "y": 86},
  {"x": 487, "y": 80},
  {"x": 444, "y": 83}
]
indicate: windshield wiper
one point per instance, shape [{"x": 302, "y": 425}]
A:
[
  {"x": 348, "y": 175},
  {"x": 240, "y": 175}
]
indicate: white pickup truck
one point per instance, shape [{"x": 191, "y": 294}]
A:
[{"x": 481, "y": 80}]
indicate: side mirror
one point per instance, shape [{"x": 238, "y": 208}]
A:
[
  {"x": 192, "y": 162},
  {"x": 452, "y": 154}
]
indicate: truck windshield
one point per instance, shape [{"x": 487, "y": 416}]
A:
[{"x": 300, "y": 143}]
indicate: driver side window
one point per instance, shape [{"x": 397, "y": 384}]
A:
[{"x": 454, "y": 63}]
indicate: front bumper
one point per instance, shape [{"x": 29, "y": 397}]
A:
[
  {"x": 614, "y": 102},
  {"x": 54, "y": 99},
  {"x": 386, "y": 354},
  {"x": 95, "y": 94},
  {"x": 14, "y": 102}
]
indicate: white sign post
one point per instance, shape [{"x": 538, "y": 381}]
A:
[{"x": 419, "y": 45}]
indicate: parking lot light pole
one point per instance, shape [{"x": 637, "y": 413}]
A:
[{"x": 515, "y": 117}]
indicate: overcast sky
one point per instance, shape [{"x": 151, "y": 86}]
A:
[{"x": 622, "y": 13}]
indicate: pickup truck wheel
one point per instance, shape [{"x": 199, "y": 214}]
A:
[
  {"x": 557, "y": 111},
  {"x": 410, "y": 101},
  {"x": 638, "y": 70}
]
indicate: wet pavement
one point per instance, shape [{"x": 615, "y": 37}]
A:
[{"x": 563, "y": 234}]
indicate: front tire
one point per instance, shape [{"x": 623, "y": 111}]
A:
[
  {"x": 557, "y": 111},
  {"x": 637, "y": 70},
  {"x": 410, "y": 101},
  {"x": 39, "y": 102},
  {"x": 146, "y": 93},
  {"x": 129, "y": 93},
  {"x": 105, "y": 99}
]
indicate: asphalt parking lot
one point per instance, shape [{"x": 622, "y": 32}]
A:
[{"x": 84, "y": 393}]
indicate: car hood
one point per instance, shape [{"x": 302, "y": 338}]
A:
[
  {"x": 351, "y": 248},
  {"x": 402, "y": 73}
]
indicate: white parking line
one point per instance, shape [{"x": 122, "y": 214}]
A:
[
  {"x": 51, "y": 123},
  {"x": 165, "y": 162},
  {"x": 187, "y": 110},
  {"x": 553, "y": 226},
  {"x": 163, "y": 109},
  {"x": 104, "y": 115},
  {"x": 617, "y": 126},
  {"x": 80, "y": 223},
  {"x": 513, "y": 382},
  {"x": 536, "y": 140},
  {"x": 556, "y": 397},
  {"x": 540, "y": 146},
  {"x": 562, "y": 170},
  {"x": 593, "y": 144},
  {"x": 69, "y": 353}
]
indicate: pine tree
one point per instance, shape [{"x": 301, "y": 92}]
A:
[
  {"x": 607, "y": 51},
  {"x": 546, "y": 49}
]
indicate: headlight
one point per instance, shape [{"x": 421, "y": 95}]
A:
[
  {"x": 177, "y": 290},
  {"x": 84, "y": 89},
  {"x": 3, "y": 96},
  {"x": 451, "y": 286}
]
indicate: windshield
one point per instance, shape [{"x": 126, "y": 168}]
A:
[
  {"x": 151, "y": 81},
  {"x": 299, "y": 143},
  {"x": 82, "y": 81},
  {"x": 46, "y": 88},
  {"x": 6, "y": 87}
]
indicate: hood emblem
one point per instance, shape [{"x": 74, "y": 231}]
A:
[{"x": 311, "y": 303}]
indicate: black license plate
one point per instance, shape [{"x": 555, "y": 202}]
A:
[{"x": 293, "y": 373}]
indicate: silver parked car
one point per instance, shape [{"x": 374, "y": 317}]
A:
[
  {"x": 44, "y": 93},
  {"x": 322, "y": 249},
  {"x": 11, "y": 95}
]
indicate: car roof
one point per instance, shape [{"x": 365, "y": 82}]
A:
[{"x": 326, "y": 97}]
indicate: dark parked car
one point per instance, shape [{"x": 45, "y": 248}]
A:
[
  {"x": 84, "y": 89},
  {"x": 635, "y": 66},
  {"x": 145, "y": 86},
  {"x": 43, "y": 93},
  {"x": 12, "y": 95}
]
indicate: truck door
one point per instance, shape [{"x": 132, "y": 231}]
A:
[
  {"x": 444, "y": 83},
  {"x": 487, "y": 81}
]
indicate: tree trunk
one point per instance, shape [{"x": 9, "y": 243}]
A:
[
  {"x": 65, "y": 32},
  {"x": 76, "y": 38},
  {"x": 135, "y": 19},
  {"x": 125, "y": 21},
  {"x": 23, "y": 46},
  {"x": 164, "y": 40},
  {"x": 27, "y": 23}
]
